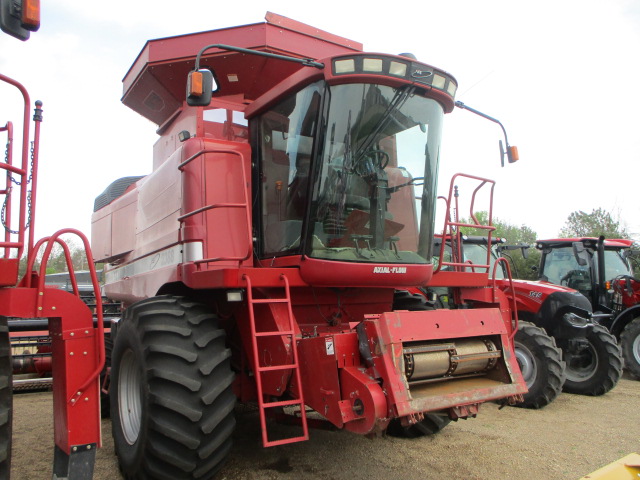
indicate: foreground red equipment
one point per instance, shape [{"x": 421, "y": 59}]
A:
[
  {"x": 77, "y": 347},
  {"x": 261, "y": 258}
]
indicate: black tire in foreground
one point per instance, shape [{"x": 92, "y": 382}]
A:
[
  {"x": 595, "y": 368},
  {"x": 6, "y": 399},
  {"x": 172, "y": 407},
  {"x": 541, "y": 364},
  {"x": 630, "y": 344}
]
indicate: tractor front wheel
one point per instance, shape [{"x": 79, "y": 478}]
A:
[
  {"x": 595, "y": 366},
  {"x": 541, "y": 364},
  {"x": 630, "y": 344},
  {"x": 172, "y": 406},
  {"x": 6, "y": 399}
]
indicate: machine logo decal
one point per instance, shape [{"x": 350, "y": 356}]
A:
[
  {"x": 389, "y": 269},
  {"x": 421, "y": 74}
]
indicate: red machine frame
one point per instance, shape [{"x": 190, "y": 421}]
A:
[{"x": 77, "y": 346}]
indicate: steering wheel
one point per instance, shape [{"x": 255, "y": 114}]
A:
[
  {"x": 573, "y": 276},
  {"x": 371, "y": 161}
]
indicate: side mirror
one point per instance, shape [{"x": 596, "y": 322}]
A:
[
  {"x": 200, "y": 87},
  {"x": 18, "y": 19},
  {"x": 510, "y": 152},
  {"x": 579, "y": 252}
]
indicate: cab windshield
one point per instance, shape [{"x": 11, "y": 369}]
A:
[
  {"x": 341, "y": 169},
  {"x": 381, "y": 147},
  {"x": 615, "y": 265}
]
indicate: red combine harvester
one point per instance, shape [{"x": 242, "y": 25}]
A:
[
  {"x": 77, "y": 347},
  {"x": 257, "y": 262}
]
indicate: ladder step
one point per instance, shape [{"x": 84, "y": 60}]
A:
[
  {"x": 275, "y": 333},
  {"x": 275, "y": 443},
  {"x": 271, "y": 368},
  {"x": 283, "y": 403},
  {"x": 269, "y": 300}
]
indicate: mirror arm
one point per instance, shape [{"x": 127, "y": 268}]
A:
[
  {"x": 509, "y": 150},
  {"x": 304, "y": 61}
]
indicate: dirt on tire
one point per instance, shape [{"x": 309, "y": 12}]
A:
[{"x": 565, "y": 440}]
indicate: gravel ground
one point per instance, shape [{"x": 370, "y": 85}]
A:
[{"x": 568, "y": 439}]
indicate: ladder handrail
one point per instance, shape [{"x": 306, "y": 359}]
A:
[
  {"x": 245, "y": 204},
  {"x": 451, "y": 227}
]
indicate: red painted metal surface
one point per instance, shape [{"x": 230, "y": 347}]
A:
[
  {"x": 162, "y": 66},
  {"x": 77, "y": 347}
]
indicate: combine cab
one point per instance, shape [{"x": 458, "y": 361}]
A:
[{"x": 260, "y": 261}]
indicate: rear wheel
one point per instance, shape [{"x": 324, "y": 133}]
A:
[
  {"x": 630, "y": 344},
  {"x": 541, "y": 365},
  {"x": 171, "y": 398},
  {"x": 595, "y": 366},
  {"x": 6, "y": 399}
]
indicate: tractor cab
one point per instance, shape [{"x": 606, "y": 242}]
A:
[{"x": 589, "y": 265}]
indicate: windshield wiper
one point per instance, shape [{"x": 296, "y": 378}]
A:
[{"x": 396, "y": 102}]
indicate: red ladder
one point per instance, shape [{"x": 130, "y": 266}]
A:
[{"x": 260, "y": 369}]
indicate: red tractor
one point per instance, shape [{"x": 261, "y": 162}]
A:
[
  {"x": 588, "y": 361},
  {"x": 258, "y": 262},
  {"x": 600, "y": 270},
  {"x": 592, "y": 357}
]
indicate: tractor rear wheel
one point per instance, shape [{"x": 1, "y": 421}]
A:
[
  {"x": 593, "y": 368},
  {"x": 6, "y": 399},
  {"x": 172, "y": 406},
  {"x": 630, "y": 344},
  {"x": 541, "y": 364}
]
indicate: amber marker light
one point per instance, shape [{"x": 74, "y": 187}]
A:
[
  {"x": 31, "y": 15},
  {"x": 195, "y": 84}
]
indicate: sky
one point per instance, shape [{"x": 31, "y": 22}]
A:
[{"x": 562, "y": 76}]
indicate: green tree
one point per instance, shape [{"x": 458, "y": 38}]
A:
[
  {"x": 521, "y": 267},
  {"x": 57, "y": 262},
  {"x": 598, "y": 222}
]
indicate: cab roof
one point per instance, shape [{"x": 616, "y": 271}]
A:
[{"x": 591, "y": 241}]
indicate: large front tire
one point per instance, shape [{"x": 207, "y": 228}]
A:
[
  {"x": 630, "y": 344},
  {"x": 596, "y": 368},
  {"x": 541, "y": 364},
  {"x": 172, "y": 406},
  {"x": 6, "y": 399}
]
